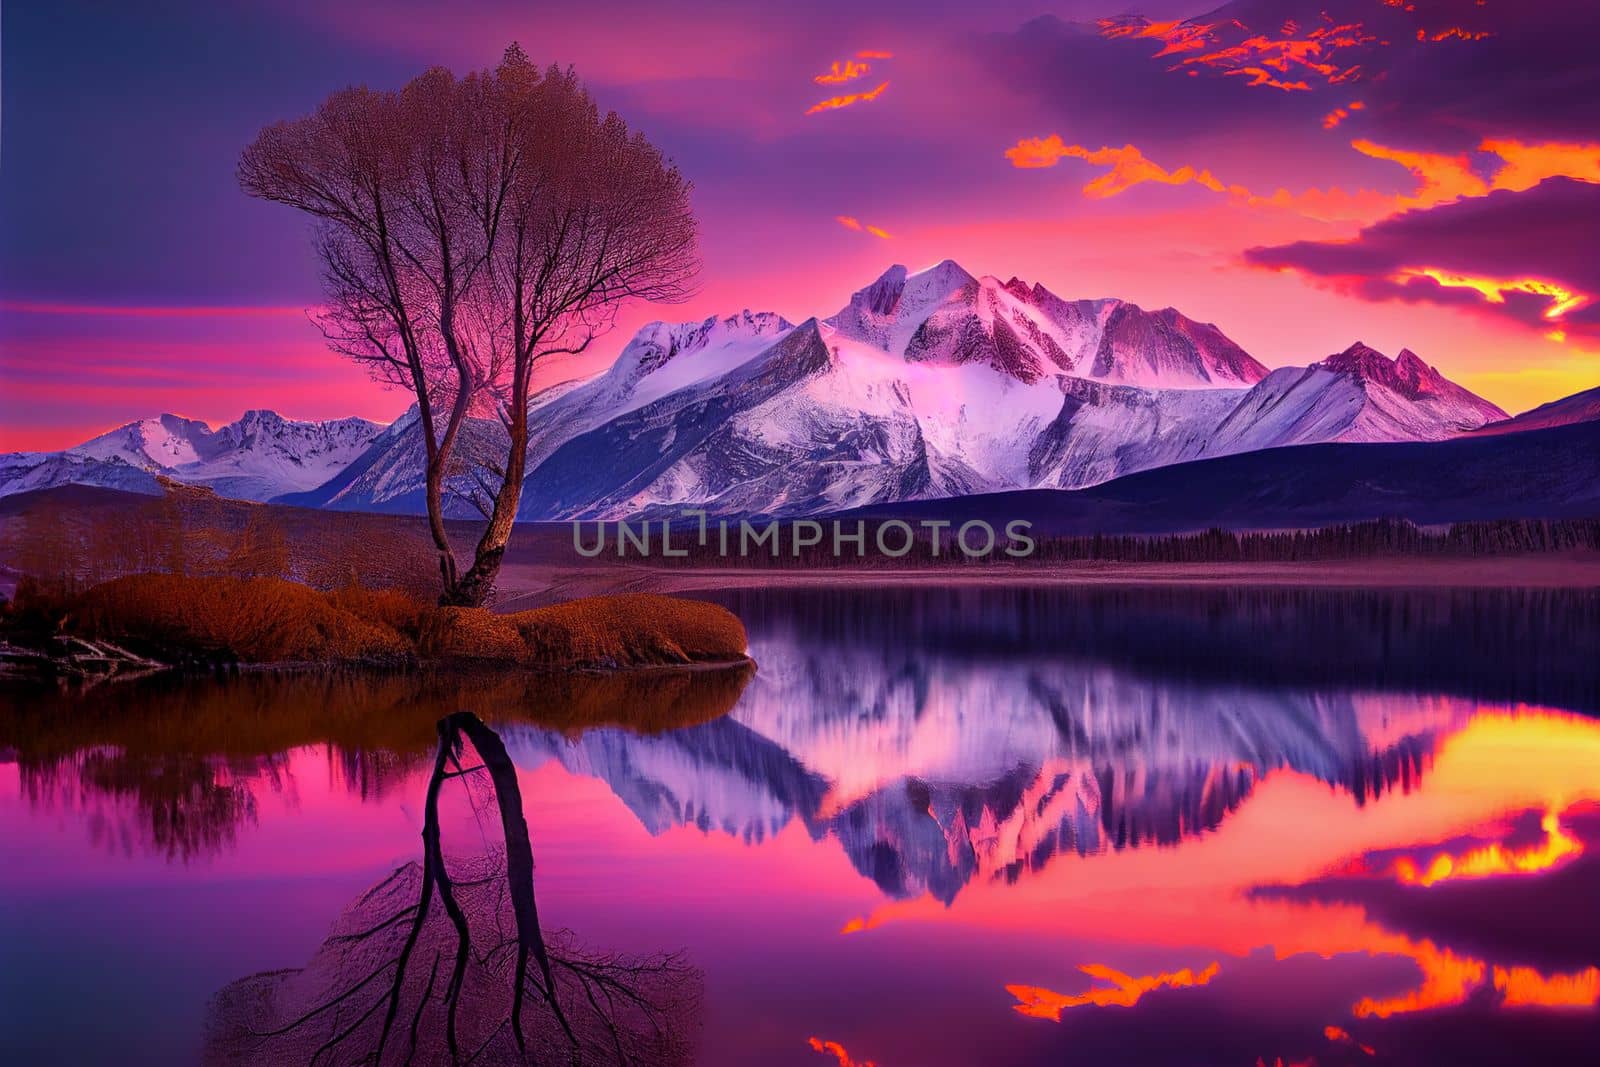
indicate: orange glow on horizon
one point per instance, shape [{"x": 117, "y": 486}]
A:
[
  {"x": 849, "y": 100},
  {"x": 837, "y": 1051},
  {"x": 1494, "y": 290},
  {"x": 1124, "y": 991}
]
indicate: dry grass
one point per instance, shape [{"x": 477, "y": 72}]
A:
[
  {"x": 269, "y": 620},
  {"x": 252, "y": 620}
]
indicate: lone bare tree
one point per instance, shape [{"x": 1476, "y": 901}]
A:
[{"x": 470, "y": 229}]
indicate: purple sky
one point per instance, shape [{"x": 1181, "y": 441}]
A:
[{"x": 1251, "y": 177}]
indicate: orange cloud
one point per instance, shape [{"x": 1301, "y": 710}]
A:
[
  {"x": 1447, "y": 979},
  {"x": 1440, "y": 177},
  {"x": 1526, "y": 165},
  {"x": 1526, "y": 987},
  {"x": 1494, "y": 859},
  {"x": 1340, "y": 1036},
  {"x": 835, "y": 102},
  {"x": 1494, "y": 290},
  {"x": 1175, "y": 36},
  {"x": 1454, "y": 33},
  {"x": 1339, "y": 114},
  {"x": 1128, "y": 166},
  {"x": 867, "y": 53},
  {"x": 1289, "y": 62},
  {"x": 1124, "y": 992},
  {"x": 837, "y": 1051},
  {"x": 839, "y": 73},
  {"x": 850, "y": 222}
]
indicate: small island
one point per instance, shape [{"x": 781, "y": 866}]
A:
[{"x": 152, "y": 621}]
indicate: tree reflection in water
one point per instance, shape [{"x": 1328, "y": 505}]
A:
[{"x": 446, "y": 962}]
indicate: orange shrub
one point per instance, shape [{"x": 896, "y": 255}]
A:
[
  {"x": 629, "y": 629},
  {"x": 269, "y": 620},
  {"x": 253, "y": 620}
]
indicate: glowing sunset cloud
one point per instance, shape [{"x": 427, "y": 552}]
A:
[
  {"x": 867, "y": 53},
  {"x": 1340, "y": 1036},
  {"x": 1455, "y": 33},
  {"x": 1289, "y": 62},
  {"x": 1440, "y": 177},
  {"x": 1495, "y": 859},
  {"x": 837, "y": 1051},
  {"x": 1339, "y": 114},
  {"x": 1524, "y": 987},
  {"x": 1124, "y": 992},
  {"x": 1175, "y": 36},
  {"x": 1494, "y": 290},
  {"x": 1526, "y": 165},
  {"x": 1129, "y": 166},
  {"x": 847, "y": 71},
  {"x": 835, "y": 102},
  {"x": 850, "y": 222},
  {"x": 1447, "y": 979}
]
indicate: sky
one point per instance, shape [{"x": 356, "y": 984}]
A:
[{"x": 1419, "y": 174}]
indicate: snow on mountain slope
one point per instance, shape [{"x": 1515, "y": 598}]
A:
[
  {"x": 929, "y": 384},
  {"x": 159, "y": 443},
  {"x": 946, "y": 316},
  {"x": 1357, "y": 395},
  {"x": 22, "y": 471},
  {"x": 941, "y": 384},
  {"x": 258, "y": 457}
]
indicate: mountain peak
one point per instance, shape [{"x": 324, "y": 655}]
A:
[{"x": 1406, "y": 374}]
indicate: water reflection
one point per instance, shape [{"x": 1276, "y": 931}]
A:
[
  {"x": 935, "y": 827},
  {"x": 176, "y": 766}
]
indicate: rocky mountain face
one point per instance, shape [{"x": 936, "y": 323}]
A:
[
  {"x": 924, "y": 385},
  {"x": 939, "y": 384}
]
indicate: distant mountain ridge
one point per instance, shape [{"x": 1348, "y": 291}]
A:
[
  {"x": 931, "y": 384},
  {"x": 260, "y": 456}
]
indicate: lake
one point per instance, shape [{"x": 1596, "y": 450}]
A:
[{"x": 935, "y": 826}]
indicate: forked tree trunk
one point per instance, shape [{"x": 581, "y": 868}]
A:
[{"x": 474, "y": 588}]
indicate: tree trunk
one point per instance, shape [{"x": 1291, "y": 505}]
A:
[{"x": 474, "y": 588}]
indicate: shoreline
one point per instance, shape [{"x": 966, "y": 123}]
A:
[{"x": 526, "y": 584}]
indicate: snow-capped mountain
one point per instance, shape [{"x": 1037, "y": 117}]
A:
[
  {"x": 258, "y": 457},
  {"x": 22, "y": 471},
  {"x": 924, "y": 385},
  {"x": 940, "y": 384},
  {"x": 1357, "y": 395}
]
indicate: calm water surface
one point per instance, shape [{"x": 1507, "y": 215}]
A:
[{"x": 936, "y": 827}]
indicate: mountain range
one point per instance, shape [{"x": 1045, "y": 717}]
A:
[
  {"x": 261, "y": 456},
  {"x": 924, "y": 385},
  {"x": 933, "y": 766}
]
